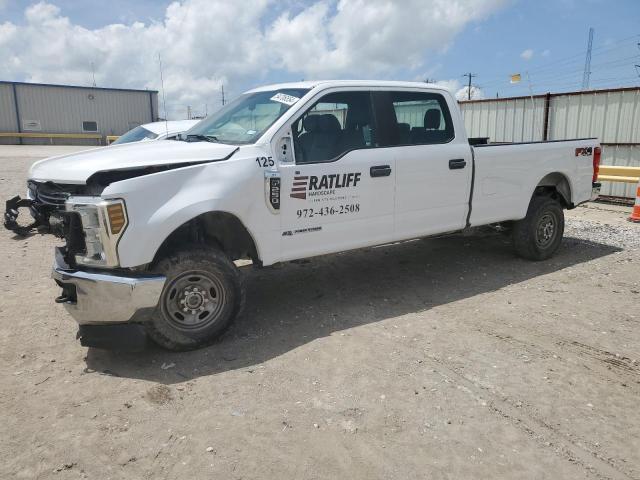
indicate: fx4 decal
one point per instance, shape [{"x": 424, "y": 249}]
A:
[{"x": 584, "y": 151}]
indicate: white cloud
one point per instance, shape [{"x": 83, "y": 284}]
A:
[
  {"x": 205, "y": 43},
  {"x": 527, "y": 54}
]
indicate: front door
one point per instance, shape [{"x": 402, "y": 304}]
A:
[{"x": 338, "y": 194}]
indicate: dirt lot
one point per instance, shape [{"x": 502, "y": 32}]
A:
[{"x": 442, "y": 358}]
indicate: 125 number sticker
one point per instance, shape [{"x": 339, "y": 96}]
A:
[{"x": 264, "y": 162}]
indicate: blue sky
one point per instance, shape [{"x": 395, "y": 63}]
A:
[
  {"x": 492, "y": 48},
  {"x": 207, "y": 43}
]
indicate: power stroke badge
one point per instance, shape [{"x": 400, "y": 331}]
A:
[{"x": 306, "y": 186}]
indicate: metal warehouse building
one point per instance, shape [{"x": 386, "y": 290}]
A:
[{"x": 33, "y": 113}]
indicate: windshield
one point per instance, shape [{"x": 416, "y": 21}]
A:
[
  {"x": 136, "y": 135},
  {"x": 246, "y": 118}
]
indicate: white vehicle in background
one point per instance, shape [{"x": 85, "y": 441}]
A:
[
  {"x": 167, "y": 130},
  {"x": 281, "y": 173}
]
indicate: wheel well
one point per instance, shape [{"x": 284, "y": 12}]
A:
[
  {"x": 556, "y": 186},
  {"x": 220, "y": 229}
]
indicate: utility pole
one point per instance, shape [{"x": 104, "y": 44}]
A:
[
  {"x": 470, "y": 75},
  {"x": 587, "y": 62},
  {"x": 222, "y": 89},
  {"x": 93, "y": 73}
]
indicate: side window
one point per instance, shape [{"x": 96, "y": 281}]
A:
[
  {"x": 334, "y": 125},
  {"x": 422, "y": 118}
]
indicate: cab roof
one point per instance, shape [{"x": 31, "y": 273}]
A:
[{"x": 346, "y": 83}]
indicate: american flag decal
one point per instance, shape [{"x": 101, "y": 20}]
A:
[{"x": 299, "y": 188}]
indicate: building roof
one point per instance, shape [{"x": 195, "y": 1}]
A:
[{"x": 7, "y": 82}]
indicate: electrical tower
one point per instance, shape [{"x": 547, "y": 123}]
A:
[
  {"x": 470, "y": 75},
  {"x": 587, "y": 62}
]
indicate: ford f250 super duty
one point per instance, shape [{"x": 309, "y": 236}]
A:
[{"x": 284, "y": 172}]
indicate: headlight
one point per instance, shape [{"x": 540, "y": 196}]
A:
[{"x": 103, "y": 223}]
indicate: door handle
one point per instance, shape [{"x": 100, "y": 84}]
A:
[
  {"x": 457, "y": 163},
  {"x": 380, "y": 171}
]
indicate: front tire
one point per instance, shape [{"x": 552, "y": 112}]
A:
[
  {"x": 201, "y": 297},
  {"x": 539, "y": 235}
]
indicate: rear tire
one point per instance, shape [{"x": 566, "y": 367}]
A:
[
  {"x": 202, "y": 296},
  {"x": 539, "y": 235}
]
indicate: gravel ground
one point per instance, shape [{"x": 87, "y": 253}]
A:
[{"x": 441, "y": 358}]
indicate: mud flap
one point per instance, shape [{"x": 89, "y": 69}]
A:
[{"x": 127, "y": 337}]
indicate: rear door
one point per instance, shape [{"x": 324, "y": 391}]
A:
[
  {"x": 433, "y": 168},
  {"x": 338, "y": 193}
]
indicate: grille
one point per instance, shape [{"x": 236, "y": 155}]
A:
[{"x": 48, "y": 193}]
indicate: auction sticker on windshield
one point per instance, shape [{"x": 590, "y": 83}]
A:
[{"x": 284, "y": 98}]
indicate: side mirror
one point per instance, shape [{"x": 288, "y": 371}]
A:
[{"x": 284, "y": 150}]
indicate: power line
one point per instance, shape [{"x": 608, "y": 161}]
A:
[
  {"x": 622, "y": 66},
  {"x": 574, "y": 60}
]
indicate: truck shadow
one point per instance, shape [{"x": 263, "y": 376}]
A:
[{"x": 295, "y": 303}]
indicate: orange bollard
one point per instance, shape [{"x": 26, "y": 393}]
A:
[{"x": 635, "y": 214}]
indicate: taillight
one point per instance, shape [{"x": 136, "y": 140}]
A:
[{"x": 596, "y": 163}]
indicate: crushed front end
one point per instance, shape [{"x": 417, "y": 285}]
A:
[
  {"x": 90, "y": 225},
  {"x": 95, "y": 290}
]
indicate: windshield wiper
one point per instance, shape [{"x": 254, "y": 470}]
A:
[{"x": 200, "y": 136}]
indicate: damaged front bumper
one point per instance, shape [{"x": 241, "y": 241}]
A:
[{"x": 102, "y": 298}]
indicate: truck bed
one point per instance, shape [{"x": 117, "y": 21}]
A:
[{"x": 506, "y": 175}]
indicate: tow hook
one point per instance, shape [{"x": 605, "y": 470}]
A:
[
  {"x": 11, "y": 216},
  {"x": 68, "y": 295}
]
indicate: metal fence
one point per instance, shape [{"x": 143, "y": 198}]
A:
[{"x": 613, "y": 116}]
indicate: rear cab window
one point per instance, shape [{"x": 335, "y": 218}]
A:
[{"x": 412, "y": 118}]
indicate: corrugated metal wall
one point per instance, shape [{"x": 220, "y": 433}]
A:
[
  {"x": 7, "y": 109},
  {"x": 507, "y": 120},
  {"x": 613, "y": 116},
  {"x": 63, "y": 109}
]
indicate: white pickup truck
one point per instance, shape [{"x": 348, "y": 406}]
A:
[{"x": 283, "y": 172}]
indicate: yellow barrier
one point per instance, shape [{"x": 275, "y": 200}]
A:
[
  {"x": 111, "y": 138},
  {"x": 613, "y": 173},
  {"x": 51, "y": 136}
]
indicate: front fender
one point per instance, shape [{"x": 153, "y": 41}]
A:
[{"x": 159, "y": 203}]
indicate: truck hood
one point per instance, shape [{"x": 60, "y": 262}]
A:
[{"x": 76, "y": 168}]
